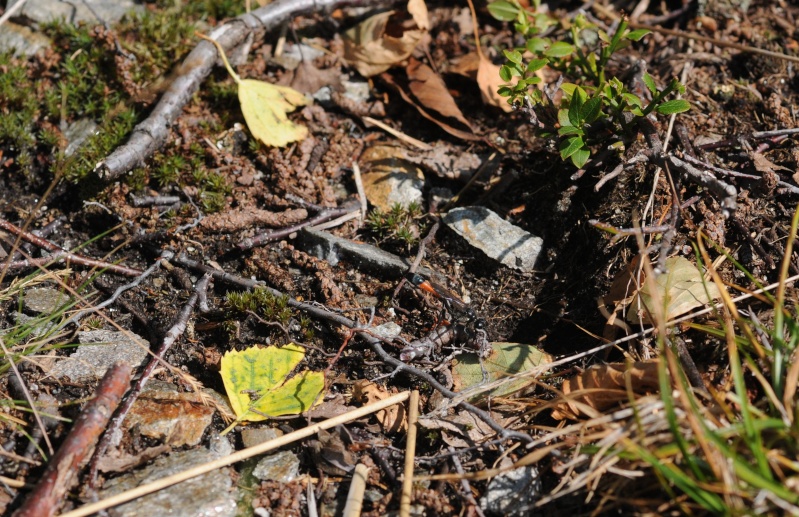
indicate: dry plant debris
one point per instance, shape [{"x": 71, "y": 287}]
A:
[{"x": 646, "y": 362}]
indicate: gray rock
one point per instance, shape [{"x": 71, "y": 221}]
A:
[
  {"x": 44, "y": 300},
  {"x": 38, "y": 327},
  {"x": 512, "y": 493},
  {"x": 100, "y": 349},
  {"x": 497, "y": 238},
  {"x": 283, "y": 467},
  {"x": 109, "y": 11},
  {"x": 362, "y": 256},
  {"x": 22, "y": 40},
  {"x": 77, "y": 133},
  {"x": 209, "y": 495},
  {"x": 252, "y": 436}
]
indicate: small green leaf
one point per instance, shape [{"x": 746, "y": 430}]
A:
[
  {"x": 505, "y": 73},
  {"x": 580, "y": 157},
  {"x": 632, "y": 100},
  {"x": 503, "y": 10},
  {"x": 563, "y": 118},
  {"x": 636, "y": 35},
  {"x": 570, "y": 130},
  {"x": 568, "y": 89},
  {"x": 576, "y": 105},
  {"x": 673, "y": 106},
  {"x": 649, "y": 81},
  {"x": 559, "y": 49},
  {"x": 504, "y": 91},
  {"x": 537, "y": 45},
  {"x": 514, "y": 56},
  {"x": 570, "y": 146},
  {"x": 591, "y": 109},
  {"x": 536, "y": 65},
  {"x": 603, "y": 36}
]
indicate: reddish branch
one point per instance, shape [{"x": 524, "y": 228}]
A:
[
  {"x": 158, "y": 357},
  {"x": 151, "y": 134},
  {"x": 63, "y": 467},
  {"x": 62, "y": 254}
]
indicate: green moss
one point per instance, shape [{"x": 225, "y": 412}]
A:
[
  {"x": 399, "y": 225},
  {"x": 261, "y": 302}
]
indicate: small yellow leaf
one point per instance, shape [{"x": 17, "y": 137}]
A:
[
  {"x": 265, "y": 105},
  {"x": 255, "y": 381}
]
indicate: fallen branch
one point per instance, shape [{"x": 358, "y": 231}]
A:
[
  {"x": 150, "y": 135},
  {"x": 64, "y": 466}
]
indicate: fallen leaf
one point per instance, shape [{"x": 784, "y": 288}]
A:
[
  {"x": 680, "y": 289},
  {"x": 256, "y": 382},
  {"x": 489, "y": 81},
  {"x": 506, "y": 359},
  {"x": 385, "y": 39},
  {"x": 604, "y": 385},
  {"x": 391, "y": 419},
  {"x": 465, "y": 65},
  {"x": 265, "y": 105},
  {"x": 460, "y": 133},
  {"x": 430, "y": 90}
]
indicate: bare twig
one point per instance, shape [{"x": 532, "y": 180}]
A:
[
  {"x": 149, "y": 135},
  {"x": 64, "y": 466},
  {"x": 264, "y": 238},
  {"x": 70, "y": 257},
  {"x": 352, "y": 508}
]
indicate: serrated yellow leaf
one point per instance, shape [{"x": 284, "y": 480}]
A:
[
  {"x": 255, "y": 381},
  {"x": 265, "y": 105}
]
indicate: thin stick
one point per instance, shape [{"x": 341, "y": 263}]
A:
[
  {"x": 236, "y": 457},
  {"x": 68, "y": 256},
  {"x": 356, "y": 175},
  {"x": 410, "y": 455},
  {"x": 399, "y": 134},
  {"x": 354, "y": 503}
]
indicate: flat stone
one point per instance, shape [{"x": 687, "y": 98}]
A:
[
  {"x": 500, "y": 240},
  {"x": 283, "y": 467},
  {"x": 21, "y": 40},
  {"x": 110, "y": 11},
  {"x": 252, "y": 436},
  {"x": 98, "y": 350},
  {"x": 362, "y": 256},
  {"x": 387, "y": 189},
  {"x": 44, "y": 300},
  {"x": 209, "y": 495},
  {"x": 164, "y": 413}
]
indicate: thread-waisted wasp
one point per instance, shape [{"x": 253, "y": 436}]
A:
[{"x": 467, "y": 329}]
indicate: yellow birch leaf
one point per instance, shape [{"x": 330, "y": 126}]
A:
[
  {"x": 255, "y": 381},
  {"x": 265, "y": 105}
]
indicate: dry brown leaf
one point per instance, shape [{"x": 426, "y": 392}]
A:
[
  {"x": 391, "y": 419},
  {"x": 385, "y": 39},
  {"x": 603, "y": 386},
  {"x": 466, "y": 65},
  {"x": 430, "y": 90},
  {"x": 460, "y": 133},
  {"x": 489, "y": 81}
]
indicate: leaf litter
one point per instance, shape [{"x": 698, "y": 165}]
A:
[{"x": 553, "y": 309}]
